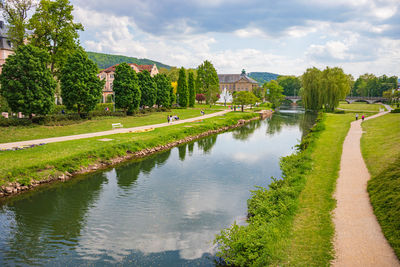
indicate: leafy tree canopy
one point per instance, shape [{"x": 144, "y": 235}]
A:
[
  {"x": 126, "y": 88},
  {"x": 27, "y": 83},
  {"x": 148, "y": 87},
  {"x": 324, "y": 89},
  {"x": 80, "y": 85},
  {"x": 207, "y": 81},
  {"x": 163, "y": 90},
  {"x": 273, "y": 93},
  {"x": 182, "y": 90},
  {"x": 291, "y": 85},
  {"x": 55, "y": 31},
  {"x": 15, "y": 13},
  {"x": 243, "y": 98},
  {"x": 192, "y": 89}
]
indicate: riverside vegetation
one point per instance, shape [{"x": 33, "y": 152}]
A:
[
  {"x": 52, "y": 160},
  {"x": 290, "y": 223},
  {"x": 380, "y": 146}
]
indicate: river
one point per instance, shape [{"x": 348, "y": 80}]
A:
[{"x": 163, "y": 210}]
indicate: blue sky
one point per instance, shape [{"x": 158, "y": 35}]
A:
[{"x": 284, "y": 37}]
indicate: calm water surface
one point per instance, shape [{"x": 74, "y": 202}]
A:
[{"x": 160, "y": 211}]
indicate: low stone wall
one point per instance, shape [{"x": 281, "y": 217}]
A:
[{"x": 16, "y": 188}]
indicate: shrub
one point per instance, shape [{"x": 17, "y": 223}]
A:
[
  {"x": 59, "y": 119},
  {"x": 57, "y": 109},
  {"x": 103, "y": 113},
  {"x": 397, "y": 110},
  {"x": 14, "y": 122},
  {"x": 103, "y": 106}
]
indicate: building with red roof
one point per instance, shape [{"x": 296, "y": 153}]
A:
[{"x": 108, "y": 75}]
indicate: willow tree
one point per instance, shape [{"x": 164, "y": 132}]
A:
[
  {"x": 335, "y": 85},
  {"x": 324, "y": 89},
  {"x": 311, "y": 93}
]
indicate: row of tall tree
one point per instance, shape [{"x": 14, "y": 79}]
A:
[
  {"x": 205, "y": 85},
  {"x": 140, "y": 90}
]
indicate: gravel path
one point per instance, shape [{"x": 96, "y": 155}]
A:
[
  {"x": 359, "y": 240},
  {"x": 115, "y": 131}
]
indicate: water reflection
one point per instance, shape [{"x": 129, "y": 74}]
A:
[
  {"x": 291, "y": 117},
  {"x": 48, "y": 222},
  {"x": 163, "y": 210},
  {"x": 245, "y": 132}
]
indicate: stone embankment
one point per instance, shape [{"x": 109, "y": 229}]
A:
[{"x": 16, "y": 188}]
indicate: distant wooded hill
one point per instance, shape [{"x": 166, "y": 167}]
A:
[
  {"x": 263, "y": 77},
  {"x": 104, "y": 61}
]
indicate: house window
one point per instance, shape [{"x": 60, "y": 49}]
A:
[
  {"x": 111, "y": 76},
  {"x": 111, "y": 86}
]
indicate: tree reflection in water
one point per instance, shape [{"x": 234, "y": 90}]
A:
[
  {"x": 278, "y": 120},
  {"x": 206, "y": 144},
  {"x": 244, "y": 132},
  {"x": 182, "y": 152}
]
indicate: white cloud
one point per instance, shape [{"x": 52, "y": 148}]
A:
[{"x": 288, "y": 51}]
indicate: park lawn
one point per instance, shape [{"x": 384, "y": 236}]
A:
[
  {"x": 380, "y": 145},
  {"x": 38, "y": 162},
  {"x": 310, "y": 243},
  {"x": 23, "y": 133},
  {"x": 361, "y": 107}
]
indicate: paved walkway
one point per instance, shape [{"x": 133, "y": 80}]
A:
[
  {"x": 359, "y": 240},
  {"x": 115, "y": 131}
]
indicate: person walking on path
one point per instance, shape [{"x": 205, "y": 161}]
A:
[
  {"x": 168, "y": 119},
  {"x": 356, "y": 116},
  {"x": 359, "y": 240},
  {"x": 362, "y": 117}
]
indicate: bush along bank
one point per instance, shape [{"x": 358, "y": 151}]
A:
[
  {"x": 384, "y": 191},
  {"x": 26, "y": 178},
  {"x": 270, "y": 212}
]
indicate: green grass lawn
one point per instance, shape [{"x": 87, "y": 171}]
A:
[
  {"x": 22, "y": 133},
  {"x": 313, "y": 230},
  {"x": 380, "y": 146},
  {"x": 70, "y": 155},
  {"x": 361, "y": 107}
]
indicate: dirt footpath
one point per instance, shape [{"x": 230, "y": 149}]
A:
[{"x": 359, "y": 240}]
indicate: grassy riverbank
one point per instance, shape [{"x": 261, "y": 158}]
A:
[
  {"x": 380, "y": 146},
  {"x": 40, "y": 162},
  {"x": 97, "y": 124},
  {"x": 361, "y": 107},
  {"x": 291, "y": 222}
]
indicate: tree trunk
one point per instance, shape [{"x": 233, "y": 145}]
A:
[{"x": 242, "y": 108}]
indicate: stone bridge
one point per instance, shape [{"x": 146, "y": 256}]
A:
[{"x": 349, "y": 99}]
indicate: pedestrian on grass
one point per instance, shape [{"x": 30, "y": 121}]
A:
[
  {"x": 362, "y": 117},
  {"x": 168, "y": 119},
  {"x": 357, "y": 116}
]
